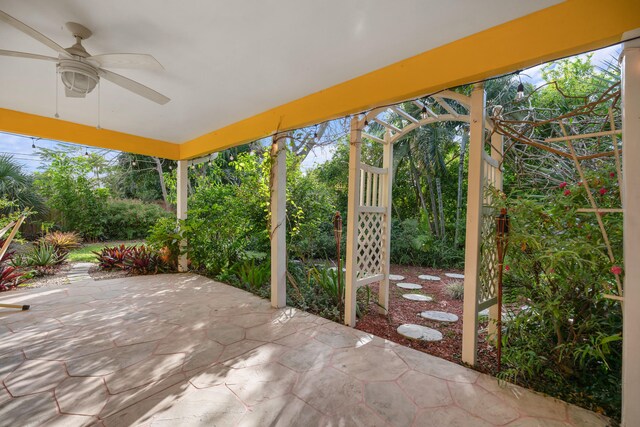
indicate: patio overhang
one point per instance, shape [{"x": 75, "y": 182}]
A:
[{"x": 533, "y": 37}]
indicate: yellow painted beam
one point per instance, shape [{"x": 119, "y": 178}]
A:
[
  {"x": 571, "y": 27},
  {"x": 59, "y": 130}
]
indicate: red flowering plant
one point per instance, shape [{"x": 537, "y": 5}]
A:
[{"x": 559, "y": 267}]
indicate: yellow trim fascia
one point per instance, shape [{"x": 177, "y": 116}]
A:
[
  {"x": 60, "y": 130},
  {"x": 568, "y": 28}
]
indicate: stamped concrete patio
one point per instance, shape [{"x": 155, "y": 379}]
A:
[{"x": 185, "y": 350}]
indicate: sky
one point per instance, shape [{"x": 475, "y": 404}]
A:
[{"x": 20, "y": 147}]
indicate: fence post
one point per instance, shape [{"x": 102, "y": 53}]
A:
[{"x": 355, "y": 140}]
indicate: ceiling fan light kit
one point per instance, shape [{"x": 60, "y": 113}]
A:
[{"x": 79, "y": 71}]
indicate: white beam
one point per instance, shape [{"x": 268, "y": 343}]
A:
[
  {"x": 181, "y": 208},
  {"x": 278, "y": 208},
  {"x": 631, "y": 224},
  {"x": 474, "y": 218},
  {"x": 353, "y": 204},
  {"x": 387, "y": 185},
  {"x": 497, "y": 149}
]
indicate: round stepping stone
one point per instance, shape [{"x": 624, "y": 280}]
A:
[
  {"x": 418, "y": 332},
  {"x": 417, "y": 297},
  {"x": 396, "y": 277},
  {"x": 454, "y": 275},
  {"x": 412, "y": 286},
  {"x": 428, "y": 277},
  {"x": 439, "y": 316}
]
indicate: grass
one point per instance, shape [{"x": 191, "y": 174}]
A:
[{"x": 85, "y": 252}]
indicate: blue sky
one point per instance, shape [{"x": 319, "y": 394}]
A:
[{"x": 20, "y": 147}]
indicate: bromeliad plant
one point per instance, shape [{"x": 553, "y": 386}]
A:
[
  {"x": 113, "y": 257},
  {"x": 133, "y": 259},
  {"x": 10, "y": 277},
  {"x": 63, "y": 241}
]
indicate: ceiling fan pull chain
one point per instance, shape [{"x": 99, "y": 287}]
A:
[
  {"x": 99, "y": 86},
  {"x": 57, "y": 78}
]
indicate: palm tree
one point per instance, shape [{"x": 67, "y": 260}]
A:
[{"x": 16, "y": 186}]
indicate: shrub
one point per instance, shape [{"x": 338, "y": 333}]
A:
[
  {"x": 142, "y": 260},
  {"x": 63, "y": 242},
  {"x": 165, "y": 238},
  {"x": 112, "y": 257},
  {"x": 10, "y": 277},
  {"x": 455, "y": 290},
  {"x": 253, "y": 276},
  {"x": 130, "y": 219}
]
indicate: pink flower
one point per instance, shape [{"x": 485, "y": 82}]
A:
[
  {"x": 603, "y": 191},
  {"x": 567, "y": 192},
  {"x": 616, "y": 269},
  {"x": 612, "y": 174},
  {"x": 507, "y": 268},
  {"x": 562, "y": 185}
]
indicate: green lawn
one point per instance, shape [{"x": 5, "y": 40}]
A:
[{"x": 85, "y": 253}]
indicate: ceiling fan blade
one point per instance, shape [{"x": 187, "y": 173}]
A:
[
  {"x": 135, "y": 87},
  {"x": 33, "y": 33},
  {"x": 27, "y": 55},
  {"x": 126, "y": 60}
]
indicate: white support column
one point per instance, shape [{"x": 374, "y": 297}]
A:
[
  {"x": 387, "y": 163},
  {"x": 352, "y": 221},
  {"x": 497, "y": 148},
  {"x": 278, "y": 221},
  {"x": 631, "y": 221},
  {"x": 181, "y": 208},
  {"x": 474, "y": 218}
]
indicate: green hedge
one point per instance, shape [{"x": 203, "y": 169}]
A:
[{"x": 130, "y": 219}]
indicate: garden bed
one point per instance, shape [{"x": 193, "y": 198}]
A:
[{"x": 402, "y": 311}]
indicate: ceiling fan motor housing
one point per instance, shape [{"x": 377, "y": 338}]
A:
[{"x": 78, "y": 77}]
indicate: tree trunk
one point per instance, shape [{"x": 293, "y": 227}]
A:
[
  {"x": 432, "y": 194},
  {"x": 419, "y": 194},
  {"x": 440, "y": 209},
  {"x": 163, "y": 187},
  {"x": 463, "y": 149}
]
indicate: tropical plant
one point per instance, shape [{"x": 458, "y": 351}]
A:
[
  {"x": 17, "y": 186},
  {"x": 130, "y": 219},
  {"x": 112, "y": 257},
  {"x": 142, "y": 260},
  {"x": 253, "y": 276},
  {"x": 164, "y": 236},
  {"x": 455, "y": 289},
  {"x": 10, "y": 277},
  {"x": 62, "y": 241}
]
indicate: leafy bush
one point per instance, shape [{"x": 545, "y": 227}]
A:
[
  {"x": 413, "y": 244},
  {"x": 130, "y": 219},
  {"x": 455, "y": 290},
  {"x": 142, "y": 260},
  {"x": 10, "y": 277},
  {"x": 63, "y": 242},
  {"x": 569, "y": 340},
  {"x": 253, "y": 276},
  {"x": 164, "y": 236},
  {"x": 133, "y": 259},
  {"x": 113, "y": 257}
]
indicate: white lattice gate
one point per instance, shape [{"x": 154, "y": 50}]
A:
[{"x": 368, "y": 223}]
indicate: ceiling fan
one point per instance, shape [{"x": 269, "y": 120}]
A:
[{"x": 80, "y": 71}]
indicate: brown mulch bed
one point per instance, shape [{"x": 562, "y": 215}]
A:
[{"x": 402, "y": 311}]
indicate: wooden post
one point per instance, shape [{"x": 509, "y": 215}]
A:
[
  {"x": 474, "y": 218},
  {"x": 181, "y": 208},
  {"x": 278, "y": 208},
  {"x": 387, "y": 163},
  {"x": 355, "y": 140},
  {"x": 631, "y": 233},
  {"x": 497, "y": 144}
]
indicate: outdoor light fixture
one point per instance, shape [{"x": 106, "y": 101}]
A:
[
  {"x": 423, "y": 112},
  {"x": 366, "y": 122},
  {"x": 520, "y": 94},
  {"x": 231, "y": 158},
  {"x": 133, "y": 163},
  {"x": 86, "y": 152},
  {"x": 33, "y": 143}
]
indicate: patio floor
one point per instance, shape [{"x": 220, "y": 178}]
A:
[{"x": 185, "y": 350}]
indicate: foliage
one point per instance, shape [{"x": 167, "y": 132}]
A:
[
  {"x": 113, "y": 257},
  {"x": 164, "y": 236},
  {"x": 62, "y": 241},
  {"x": 455, "y": 289},
  {"x": 141, "y": 260},
  {"x": 130, "y": 219},
  {"x": 252, "y": 275},
  {"x": 413, "y": 244},
  {"x": 327, "y": 280},
  {"x": 17, "y": 187},
  {"x": 568, "y": 340},
  {"x": 73, "y": 193},
  {"x": 10, "y": 277}
]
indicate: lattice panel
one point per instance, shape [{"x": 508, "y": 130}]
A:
[
  {"x": 369, "y": 253},
  {"x": 488, "y": 273}
]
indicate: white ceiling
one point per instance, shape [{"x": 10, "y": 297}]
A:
[{"x": 228, "y": 60}]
